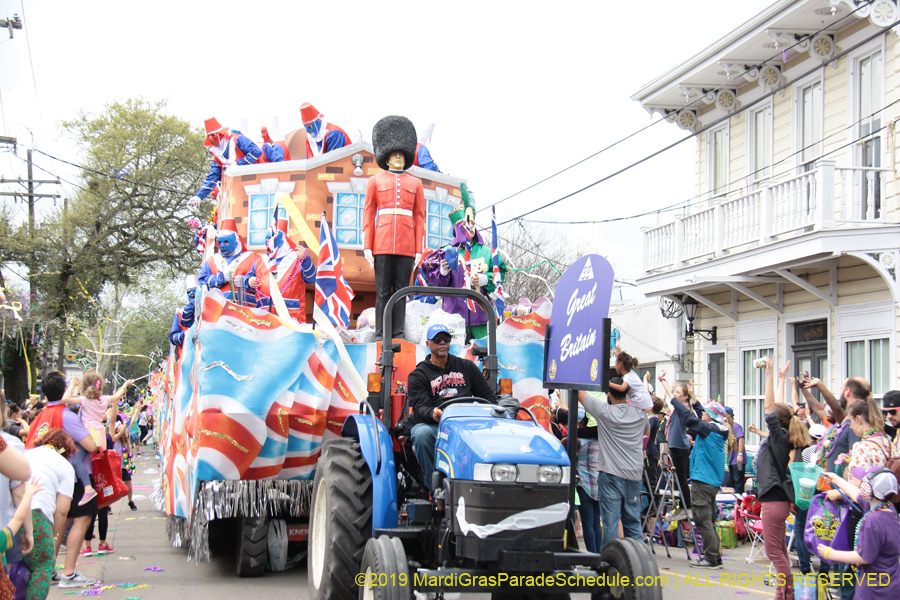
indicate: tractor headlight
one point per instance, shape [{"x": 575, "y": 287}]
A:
[
  {"x": 549, "y": 474},
  {"x": 504, "y": 473}
]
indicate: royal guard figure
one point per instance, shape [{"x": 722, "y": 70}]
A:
[
  {"x": 184, "y": 316},
  {"x": 274, "y": 148},
  {"x": 423, "y": 154},
  {"x": 227, "y": 148},
  {"x": 233, "y": 269},
  {"x": 394, "y": 247},
  {"x": 321, "y": 136},
  {"x": 289, "y": 266}
]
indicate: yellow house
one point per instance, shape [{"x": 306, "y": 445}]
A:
[{"x": 790, "y": 248}]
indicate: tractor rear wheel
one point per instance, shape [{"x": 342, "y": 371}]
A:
[
  {"x": 252, "y": 550},
  {"x": 340, "y": 520},
  {"x": 386, "y": 570},
  {"x": 632, "y": 559}
]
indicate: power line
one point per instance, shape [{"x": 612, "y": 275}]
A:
[
  {"x": 714, "y": 90},
  {"x": 706, "y": 128},
  {"x": 110, "y": 176},
  {"x": 683, "y": 203}
]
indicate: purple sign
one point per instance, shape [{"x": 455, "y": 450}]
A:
[{"x": 575, "y": 334}]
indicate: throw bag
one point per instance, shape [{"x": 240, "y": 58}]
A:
[{"x": 108, "y": 482}]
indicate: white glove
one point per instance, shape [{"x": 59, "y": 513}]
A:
[
  {"x": 370, "y": 258},
  {"x": 194, "y": 202},
  {"x": 482, "y": 280},
  {"x": 228, "y": 274},
  {"x": 418, "y": 258}
]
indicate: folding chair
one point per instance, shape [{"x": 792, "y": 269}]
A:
[{"x": 752, "y": 525}]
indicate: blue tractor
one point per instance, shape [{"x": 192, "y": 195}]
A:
[{"x": 501, "y": 510}]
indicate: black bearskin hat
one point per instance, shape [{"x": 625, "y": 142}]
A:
[{"x": 394, "y": 134}]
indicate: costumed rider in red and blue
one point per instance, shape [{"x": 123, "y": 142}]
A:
[
  {"x": 423, "y": 154},
  {"x": 227, "y": 148},
  {"x": 291, "y": 267},
  {"x": 184, "y": 317},
  {"x": 321, "y": 136},
  {"x": 233, "y": 269},
  {"x": 274, "y": 148}
]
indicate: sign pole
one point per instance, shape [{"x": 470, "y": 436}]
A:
[{"x": 570, "y": 398}]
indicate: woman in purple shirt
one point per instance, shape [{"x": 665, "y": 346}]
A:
[{"x": 876, "y": 547}]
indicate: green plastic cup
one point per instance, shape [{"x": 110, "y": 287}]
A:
[{"x": 804, "y": 476}]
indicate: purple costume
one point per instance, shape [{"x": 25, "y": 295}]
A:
[{"x": 431, "y": 267}]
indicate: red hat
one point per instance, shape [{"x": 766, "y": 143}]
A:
[
  {"x": 282, "y": 225},
  {"x": 212, "y": 126},
  {"x": 309, "y": 113}
]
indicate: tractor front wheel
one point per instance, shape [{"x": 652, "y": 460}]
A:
[
  {"x": 386, "y": 570},
  {"x": 340, "y": 520}
]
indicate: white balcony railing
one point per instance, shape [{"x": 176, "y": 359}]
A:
[{"x": 777, "y": 210}]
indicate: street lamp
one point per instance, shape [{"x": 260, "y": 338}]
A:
[{"x": 691, "y": 307}]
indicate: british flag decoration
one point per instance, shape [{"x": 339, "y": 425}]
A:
[
  {"x": 499, "y": 300},
  {"x": 333, "y": 293}
]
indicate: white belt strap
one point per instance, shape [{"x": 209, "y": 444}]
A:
[{"x": 395, "y": 211}]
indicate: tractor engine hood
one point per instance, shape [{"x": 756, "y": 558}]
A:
[{"x": 470, "y": 434}]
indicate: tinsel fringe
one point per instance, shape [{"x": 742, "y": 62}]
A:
[
  {"x": 158, "y": 497},
  {"x": 229, "y": 499}
]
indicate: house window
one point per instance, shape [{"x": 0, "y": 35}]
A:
[
  {"x": 809, "y": 106},
  {"x": 717, "y": 376},
  {"x": 262, "y": 207},
  {"x": 871, "y": 360},
  {"x": 717, "y": 143},
  {"x": 761, "y": 138},
  {"x": 440, "y": 231},
  {"x": 348, "y": 209},
  {"x": 754, "y": 391},
  {"x": 869, "y": 77}
]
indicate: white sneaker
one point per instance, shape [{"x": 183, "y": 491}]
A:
[
  {"x": 678, "y": 515},
  {"x": 76, "y": 579}
]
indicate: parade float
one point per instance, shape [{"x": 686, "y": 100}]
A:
[{"x": 246, "y": 403}]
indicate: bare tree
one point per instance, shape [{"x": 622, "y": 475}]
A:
[{"x": 535, "y": 258}]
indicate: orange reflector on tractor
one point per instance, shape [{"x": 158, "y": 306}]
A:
[
  {"x": 374, "y": 383},
  {"x": 506, "y": 387}
]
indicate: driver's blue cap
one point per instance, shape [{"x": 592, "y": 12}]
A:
[{"x": 436, "y": 329}]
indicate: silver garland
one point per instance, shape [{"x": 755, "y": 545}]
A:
[
  {"x": 229, "y": 499},
  {"x": 158, "y": 497}
]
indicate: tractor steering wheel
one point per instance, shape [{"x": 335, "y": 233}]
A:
[{"x": 475, "y": 399}]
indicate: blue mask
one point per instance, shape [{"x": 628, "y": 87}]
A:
[
  {"x": 191, "y": 294},
  {"x": 274, "y": 242},
  {"x": 228, "y": 243},
  {"x": 314, "y": 127}
]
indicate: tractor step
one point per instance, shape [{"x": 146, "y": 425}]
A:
[{"x": 409, "y": 533}]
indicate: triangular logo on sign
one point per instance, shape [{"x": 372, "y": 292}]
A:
[{"x": 587, "y": 272}]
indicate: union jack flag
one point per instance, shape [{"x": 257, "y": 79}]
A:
[{"x": 333, "y": 293}]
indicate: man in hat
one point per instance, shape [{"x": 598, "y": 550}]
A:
[
  {"x": 290, "y": 266},
  {"x": 274, "y": 148},
  {"x": 233, "y": 265},
  {"x": 227, "y": 148},
  {"x": 464, "y": 263},
  {"x": 707, "y": 472},
  {"x": 184, "y": 316},
  {"x": 438, "y": 378},
  {"x": 423, "y": 154},
  {"x": 397, "y": 199},
  {"x": 890, "y": 406},
  {"x": 321, "y": 136}
]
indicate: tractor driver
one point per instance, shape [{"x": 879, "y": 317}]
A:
[{"x": 438, "y": 378}]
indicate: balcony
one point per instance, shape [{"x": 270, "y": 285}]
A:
[{"x": 826, "y": 198}]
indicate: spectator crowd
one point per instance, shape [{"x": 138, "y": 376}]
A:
[
  {"x": 48, "y": 504},
  {"x": 630, "y": 438}
]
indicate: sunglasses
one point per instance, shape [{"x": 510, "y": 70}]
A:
[
  {"x": 441, "y": 340},
  {"x": 890, "y": 412}
]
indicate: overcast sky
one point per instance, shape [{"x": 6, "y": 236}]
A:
[{"x": 518, "y": 90}]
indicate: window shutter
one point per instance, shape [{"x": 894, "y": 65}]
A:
[{"x": 717, "y": 376}]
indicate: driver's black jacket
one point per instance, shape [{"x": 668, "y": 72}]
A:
[{"x": 430, "y": 385}]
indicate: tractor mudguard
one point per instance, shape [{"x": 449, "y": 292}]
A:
[{"x": 376, "y": 447}]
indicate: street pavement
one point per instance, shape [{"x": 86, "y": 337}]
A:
[{"x": 139, "y": 539}]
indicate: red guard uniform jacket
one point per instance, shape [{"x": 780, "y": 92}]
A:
[{"x": 398, "y": 200}]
